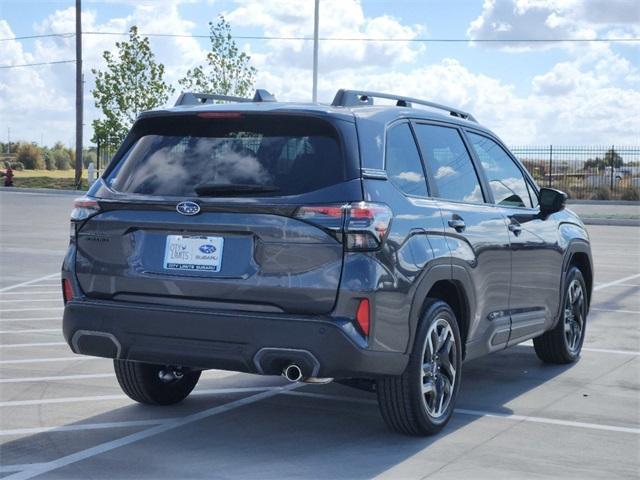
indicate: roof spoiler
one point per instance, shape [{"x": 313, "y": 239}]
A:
[
  {"x": 192, "y": 98},
  {"x": 359, "y": 98}
]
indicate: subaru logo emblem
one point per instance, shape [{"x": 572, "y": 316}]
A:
[
  {"x": 188, "y": 208},
  {"x": 207, "y": 248}
]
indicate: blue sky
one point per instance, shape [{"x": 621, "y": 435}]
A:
[{"x": 573, "y": 93}]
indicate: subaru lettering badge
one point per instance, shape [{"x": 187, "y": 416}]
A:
[
  {"x": 188, "y": 208},
  {"x": 207, "y": 248}
]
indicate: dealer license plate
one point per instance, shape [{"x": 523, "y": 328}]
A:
[{"x": 193, "y": 253}]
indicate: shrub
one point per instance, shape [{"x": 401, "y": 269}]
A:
[
  {"x": 30, "y": 156},
  {"x": 601, "y": 193},
  {"x": 630, "y": 194},
  {"x": 17, "y": 166},
  {"x": 49, "y": 161},
  {"x": 61, "y": 159}
]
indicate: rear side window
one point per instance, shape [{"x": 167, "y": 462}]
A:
[
  {"x": 505, "y": 178},
  {"x": 403, "y": 164},
  {"x": 255, "y": 154},
  {"x": 449, "y": 163}
]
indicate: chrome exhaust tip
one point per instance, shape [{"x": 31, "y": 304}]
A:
[{"x": 292, "y": 372}]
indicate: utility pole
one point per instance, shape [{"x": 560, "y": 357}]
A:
[
  {"x": 8, "y": 140},
  {"x": 316, "y": 19},
  {"x": 78, "y": 177}
]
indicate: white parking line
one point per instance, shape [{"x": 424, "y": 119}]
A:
[
  {"x": 549, "y": 421},
  {"x": 482, "y": 413},
  {"x": 96, "y": 398},
  {"x": 617, "y": 282},
  {"x": 18, "y": 468},
  {"x": 43, "y": 285},
  {"x": 613, "y": 310},
  {"x": 85, "y": 426},
  {"x": 30, "y": 282},
  {"x": 37, "y": 344},
  {"x": 56, "y": 378},
  {"x": 40, "y": 309},
  {"x": 47, "y": 360},
  {"x": 31, "y": 300},
  {"x": 29, "y": 319},
  {"x": 136, "y": 437},
  {"x": 40, "y": 292},
  {"x": 606, "y": 350},
  {"x": 31, "y": 330}
]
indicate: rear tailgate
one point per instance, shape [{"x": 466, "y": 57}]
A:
[{"x": 244, "y": 251}]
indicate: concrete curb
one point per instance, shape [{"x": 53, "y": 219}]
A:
[
  {"x": 618, "y": 222},
  {"x": 603, "y": 202},
  {"x": 54, "y": 191}
]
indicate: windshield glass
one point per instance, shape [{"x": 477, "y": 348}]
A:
[{"x": 179, "y": 156}]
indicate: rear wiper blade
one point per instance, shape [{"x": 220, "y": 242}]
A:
[{"x": 212, "y": 189}]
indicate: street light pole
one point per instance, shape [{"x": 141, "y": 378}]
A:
[
  {"x": 316, "y": 18},
  {"x": 78, "y": 176}
]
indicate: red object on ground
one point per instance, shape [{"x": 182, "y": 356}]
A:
[{"x": 8, "y": 177}]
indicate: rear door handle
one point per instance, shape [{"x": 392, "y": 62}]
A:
[
  {"x": 457, "y": 224},
  {"x": 515, "y": 228}
]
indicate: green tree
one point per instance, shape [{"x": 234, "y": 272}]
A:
[
  {"x": 227, "y": 71},
  {"x": 132, "y": 82},
  {"x": 30, "y": 156},
  {"x": 613, "y": 159}
]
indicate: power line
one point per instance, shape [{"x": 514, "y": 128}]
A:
[
  {"x": 29, "y": 37},
  {"x": 37, "y": 64},
  {"x": 349, "y": 39}
]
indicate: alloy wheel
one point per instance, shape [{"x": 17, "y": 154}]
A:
[
  {"x": 439, "y": 368},
  {"x": 574, "y": 313}
]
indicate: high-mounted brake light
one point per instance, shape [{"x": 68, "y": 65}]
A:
[
  {"x": 362, "y": 316},
  {"x": 364, "y": 224},
  {"x": 219, "y": 115},
  {"x": 83, "y": 208}
]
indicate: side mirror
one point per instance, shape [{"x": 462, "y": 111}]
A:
[{"x": 551, "y": 200}]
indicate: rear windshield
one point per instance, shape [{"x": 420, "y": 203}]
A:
[{"x": 260, "y": 154}]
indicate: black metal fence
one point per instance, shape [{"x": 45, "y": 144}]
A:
[{"x": 586, "y": 172}]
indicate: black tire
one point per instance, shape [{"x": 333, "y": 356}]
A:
[
  {"x": 555, "y": 346},
  {"x": 402, "y": 402},
  {"x": 142, "y": 382}
]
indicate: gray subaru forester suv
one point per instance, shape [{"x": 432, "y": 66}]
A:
[{"x": 371, "y": 244}]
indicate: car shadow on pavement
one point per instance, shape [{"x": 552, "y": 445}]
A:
[{"x": 329, "y": 431}]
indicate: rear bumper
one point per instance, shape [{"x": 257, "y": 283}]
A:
[{"x": 238, "y": 341}]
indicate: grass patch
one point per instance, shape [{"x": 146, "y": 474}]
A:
[
  {"x": 48, "y": 173},
  {"x": 58, "y": 179},
  {"x": 59, "y": 183}
]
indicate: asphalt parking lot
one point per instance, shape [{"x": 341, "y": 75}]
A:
[{"x": 63, "y": 416}]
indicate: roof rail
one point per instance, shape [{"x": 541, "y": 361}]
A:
[
  {"x": 192, "y": 98},
  {"x": 356, "y": 98}
]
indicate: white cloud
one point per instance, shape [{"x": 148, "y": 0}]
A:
[
  {"x": 553, "y": 20},
  {"x": 339, "y": 19}
]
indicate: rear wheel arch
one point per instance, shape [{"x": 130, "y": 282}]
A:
[
  {"x": 453, "y": 294},
  {"x": 451, "y": 284}
]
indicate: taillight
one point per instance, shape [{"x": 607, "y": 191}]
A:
[
  {"x": 362, "y": 316},
  {"x": 67, "y": 290},
  {"x": 367, "y": 225},
  {"x": 364, "y": 224},
  {"x": 83, "y": 208}
]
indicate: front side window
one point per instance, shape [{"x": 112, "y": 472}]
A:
[
  {"x": 505, "y": 178},
  {"x": 403, "y": 164},
  {"x": 449, "y": 163}
]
